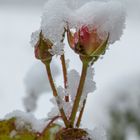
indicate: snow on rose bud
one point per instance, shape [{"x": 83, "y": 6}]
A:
[
  {"x": 42, "y": 49},
  {"x": 87, "y": 42}
]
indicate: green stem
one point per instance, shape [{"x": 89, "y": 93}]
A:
[
  {"x": 79, "y": 93},
  {"x": 55, "y": 93},
  {"x": 81, "y": 114},
  {"x": 64, "y": 74}
]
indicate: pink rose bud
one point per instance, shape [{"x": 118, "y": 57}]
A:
[{"x": 87, "y": 42}]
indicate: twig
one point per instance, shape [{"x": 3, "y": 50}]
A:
[
  {"x": 55, "y": 93},
  {"x": 81, "y": 114},
  {"x": 79, "y": 94},
  {"x": 64, "y": 75}
]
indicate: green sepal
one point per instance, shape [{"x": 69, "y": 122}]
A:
[
  {"x": 44, "y": 46},
  {"x": 101, "y": 49}
]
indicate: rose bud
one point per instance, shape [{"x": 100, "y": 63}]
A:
[
  {"x": 87, "y": 42},
  {"x": 42, "y": 49}
]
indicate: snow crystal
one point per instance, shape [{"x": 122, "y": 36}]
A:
[
  {"x": 73, "y": 83},
  {"x": 36, "y": 82},
  {"x": 67, "y": 106},
  {"x": 26, "y": 120},
  {"x": 89, "y": 87},
  {"x": 106, "y": 17},
  {"x": 59, "y": 101},
  {"x": 54, "y": 111},
  {"x": 57, "y": 49},
  {"x": 61, "y": 92},
  {"x": 34, "y": 38},
  {"x": 54, "y": 21}
]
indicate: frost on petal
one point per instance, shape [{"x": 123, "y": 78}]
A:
[
  {"x": 105, "y": 16},
  {"x": 26, "y": 121},
  {"x": 36, "y": 83}
]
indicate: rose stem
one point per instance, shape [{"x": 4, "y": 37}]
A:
[
  {"x": 64, "y": 74},
  {"x": 50, "y": 123},
  {"x": 81, "y": 114},
  {"x": 79, "y": 93},
  {"x": 55, "y": 93},
  {"x": 63, "y": 62}
]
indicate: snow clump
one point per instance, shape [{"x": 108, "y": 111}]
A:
[{"x": 107, "y": 17}]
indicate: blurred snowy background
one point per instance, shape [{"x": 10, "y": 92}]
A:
[{"x": 117, "y": 75}]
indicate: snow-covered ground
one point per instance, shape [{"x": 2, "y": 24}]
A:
[{"x": 18, "y": 21}]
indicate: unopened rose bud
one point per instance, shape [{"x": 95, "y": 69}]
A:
[
  {"x": 87, "y": 42},
  {"x": 42, "y": 49}
]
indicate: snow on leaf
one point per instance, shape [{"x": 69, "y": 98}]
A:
[{"x": 26, "y": 121}]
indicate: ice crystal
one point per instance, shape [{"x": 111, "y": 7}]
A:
[
  {"x": 104, "y": 16},
  {"x": 73, "y": 83}
]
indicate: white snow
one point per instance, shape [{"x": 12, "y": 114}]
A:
[
  {"x": 54, "y": 110},
  {"x": 73, "y": 83},
  {"x": 34, "y": 38},
  {"x": 57, "y": 49},
  {"x": 26, "y": 120},
  {"x": 104, "y": 16},
  {"x": 53, "y": 22},
  {"x": 90, "y": 85}
]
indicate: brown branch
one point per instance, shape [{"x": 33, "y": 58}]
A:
[
  {"x": 55, "y": 94},
  {"x": 64, "y": 74}
]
